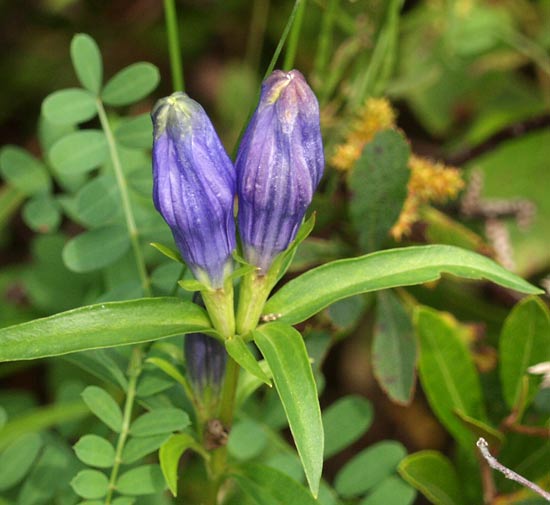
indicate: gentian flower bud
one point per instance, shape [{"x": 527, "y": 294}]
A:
[
  {"x": 279, "y": 164},
  {"x": 205, "y": 358},
  {"x": 194, "y": 187}
]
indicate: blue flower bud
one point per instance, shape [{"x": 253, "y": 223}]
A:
[
  {"x": 279, "y": 164},
  {"x": 194, "y": 187},
  {"x": 205, "y": 358}
]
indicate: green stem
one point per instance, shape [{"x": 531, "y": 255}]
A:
[
  {"x": 325, "y": 40},
  {"x": 123, "y": 189},
  {"x": 174, "y": 44},
  {"x": 253, "y": 293},
  {"x": 134, "y": 371},
  {"x": 292, "y": 47},
  {"x": 225, "y": 415},
  {"x": 282, "y": 40},
  {"x": 256, "y": 35}
]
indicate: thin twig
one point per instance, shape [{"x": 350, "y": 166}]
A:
[{"x": 483, "y": 446}]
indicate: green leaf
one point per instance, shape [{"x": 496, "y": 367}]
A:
[
  {"x": 69, "y": 106},
  {"x": 143, "y": 480},
  {"x": 102, "y": 325},
  {"x": 391, "y": 490},
  {"x": 480, "y": 429},
  {"x": 103, "y": 406},
  {"x": 169, "y": 457},
  {"x": 344, "y": 422},
  {"x": 123, "y": 500},
  {"x": 247, "y": 440},
  {"x": 90, "y": 484},
  {"x": 447, "y": 372},
  {"x": 378, "y": 186},
  {"x": 22, "y": 170},
  {"x": 97, "y": 248},
  {"x": 237, "y": 348},
  {"x": 79, "y": 152},
  {"x": 434, "y": 476},
  {"x": 136, "y": 132},
  {"x": 284, "y": 350},
  {"x": 524, "y": 341},
  {"x": 394, "y": 349},
  {"x": 131, "y": 84},
  {"x": 159, "y": 421},
  {"x": 314, "y": 290},
  {"x": 98, "y": 202},
  {"x": 42, "y": 214},
  {"x": 18, "y": 458},
  {"x": 87, "y": 62},
  {"x": 95, "y": 451},
  {"x": 169, "y": 369},
  {"x": 260, "y": 480},
  {"x": 368, "y": 468},
  {"x": 137, "y": 448},
  {"x": 168, "y": 252},
  {"x": 40, "y": 419}
]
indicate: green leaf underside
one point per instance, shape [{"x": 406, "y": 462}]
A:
[
  {"x": 103, "y": 406},
  {"x": 284, "y": 350},
  {"x": 394, "y": 349},
  {"x": 237, "y": 348},
  {"x": 447, "y": 373},
  {"x": 391, "y": 490},
  {"x": 378, "y": 185},
  {"x": 316, "y": 289},
  {"x": 69, "y": 106},
  {"x": 434, "y": 476},
  {"x": 266, "y": 485},
  {"x": 131, "y": 84},
  {"x": 143, "y": 480},
  {"x": 18, "y": 459},
  {"x": 169, "y": 457},
  {"x": 368, "y": 468},
  {"x": 87, "y": 62},
  {"x": 79, "y": 152},
  {"x": 102, "y": 325},
  {"x": 524, "y": 341},
  {"x": 159, "y": 421},
  {"x": 344, "y": 422}
]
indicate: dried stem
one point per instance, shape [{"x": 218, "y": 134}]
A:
[{"x": 483, "y": 446}]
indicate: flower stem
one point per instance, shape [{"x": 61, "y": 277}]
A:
[
  {"x": 253, "y": 293},
  {"x": 173, "y": 44},
  {"x": 134, "y": 370},
  {"x": 123, "y": 189},
  {"x": 290, "y": 54},
  {"x": 225, "y": 416}
]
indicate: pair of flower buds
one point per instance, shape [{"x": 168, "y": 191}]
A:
[{"x": 278, "y": 166}]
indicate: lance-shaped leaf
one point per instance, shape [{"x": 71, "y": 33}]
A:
[
  {"x": 102, "y": 325},
  {"x": 284, "y": 350},
  {"x": 316, "y": 289}
]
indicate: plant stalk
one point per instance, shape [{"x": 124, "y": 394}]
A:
[{"x": 172, "y": 32}]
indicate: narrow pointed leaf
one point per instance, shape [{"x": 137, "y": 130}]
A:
[
  {"x": 102, "y": 325},
  {"x": 525, "y": 341},
  {"x": 316, "y": 289},
  {"x": 284, "y": 350},
  {"x": 239, "y": 351},
  {"x": 394, "y": 349},
  {"x": 447, "y": 373}
]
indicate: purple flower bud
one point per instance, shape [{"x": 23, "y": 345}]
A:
[
  {"x": 194, "y": 186},
  {"x": 205, "y": 358},
  {"x": 279, "y": 164}
]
